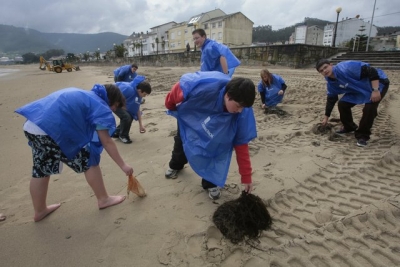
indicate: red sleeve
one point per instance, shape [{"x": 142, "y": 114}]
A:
[
  {"x": 174, "y": 97},
  {"x": 243, "y": 160}
]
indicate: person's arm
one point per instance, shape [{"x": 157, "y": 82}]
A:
[
  {"x": 111, "y": 148},
  {"x": 261, "y": 90},
  {"x": 244, "y": 164},
  {"x": 330, "y": 104},
  {"x": 139, "y": 116},
  {"x": 224, "y": 64},
  {"x": 174, "y": 97},
  {"x": 372, "y": 74},
  {"x": 283, "y": 88}
]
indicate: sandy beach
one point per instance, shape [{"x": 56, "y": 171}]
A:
[{"x": 332, "y": 203}]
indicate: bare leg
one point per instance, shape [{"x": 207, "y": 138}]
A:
[
  {"x": 95, "y": 180},
  {"x": 38, "y": 188}
]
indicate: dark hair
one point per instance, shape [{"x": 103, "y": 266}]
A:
[
  {"x": 114, "y": 95},
  {"x": 321, "y": 62},
  {"x": 144, "y": 87},
  {"x": 241, "y": 90},
  {"x": 134, "y": 66},
  {"x": 201, "y": 32}
]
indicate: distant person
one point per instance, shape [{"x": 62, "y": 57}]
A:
[
  {"x": 133, "y": 93},
  {"x": 271, "y": 88},
  {"x": 188, "y": 48},
  {"x": 214, "y": 56},
  {"x": 72, "y": 126},
  {"x": 125, "y": 73},
  {"x": 360, "y": 84},
  {"x": 215, "y": 117}
]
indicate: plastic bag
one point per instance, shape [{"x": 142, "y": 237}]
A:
[{"x": 135, "y": 187}]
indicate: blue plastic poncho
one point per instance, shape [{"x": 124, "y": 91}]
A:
[
  {"x": 271, "y": 92},
  {"x": 211, "y": 51},
  {"x": 133, "y": 100},
  {"x": 207, "y": 131},
  {"x": 124, "y": 73},
  {"x": 70, "y": 116},
  {"x": 347, "y": 74}
]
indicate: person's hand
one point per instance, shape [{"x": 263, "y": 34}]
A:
[
  {"x": 248, "y": 188},
  {"x": 142, "y": 129},
  {"x": 128, "y": 170},
  {"x": 280, "y": 92},
  {"x": 375, "y": 96},
  {"x": 324, "y": 120}
]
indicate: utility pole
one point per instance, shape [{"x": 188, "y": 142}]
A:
[{"x": 370, "y": 27}]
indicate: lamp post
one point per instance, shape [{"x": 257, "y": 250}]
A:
[
  {"x": 338, "y": 10},
  {"x": 370, "y": 26},
  {"x": 141, "y": 45}
]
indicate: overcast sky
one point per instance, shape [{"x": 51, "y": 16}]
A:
[{"x": 127, "y": 16}]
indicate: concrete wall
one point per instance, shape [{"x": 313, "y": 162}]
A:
[{"x": 292, "y": 55}]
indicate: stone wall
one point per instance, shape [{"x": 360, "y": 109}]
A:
[{"x": 293, "y": 55}]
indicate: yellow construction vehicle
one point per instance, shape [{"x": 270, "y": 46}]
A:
[{"x": 58, "y": 65}]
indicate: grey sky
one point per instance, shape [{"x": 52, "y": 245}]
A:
[{"x": 127, "y": 16}]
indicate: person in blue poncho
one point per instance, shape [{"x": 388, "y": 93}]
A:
[
  {"x": 133, "y": 93},
  {"x": 125, "y": 73},
  {"x": 359, "y": 83},
  {"x": 215, "y": 117},
  {"x": 72, "y": 126},
  {"x": 214, "y": 56},
  {"x": 271, "y": 88}
]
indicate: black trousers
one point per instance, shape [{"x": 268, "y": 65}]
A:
[
  {"x": 125, "y": 122},
  {"x": 369, "y": 113},
  {"x": 178, "y": 159}
]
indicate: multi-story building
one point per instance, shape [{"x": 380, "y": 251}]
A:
[
  {"x": 346, "y": 30},
  {"x": 311, "y": 35},
  {"x": 231, "y": 29}
]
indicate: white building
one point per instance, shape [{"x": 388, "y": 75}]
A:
[
  {"x": 311, "y": 35},
  {"x": 346, "y": 30}
]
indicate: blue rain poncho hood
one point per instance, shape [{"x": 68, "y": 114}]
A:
[
  {"x": 70, "y": 117},
  {"x": 271, "y": 92},
  {"x": 125, "y": 73},
  {"x": 211, "y": 51},
  {"x": 133, "y": 100},
  {"x": 208, "y": 132},
  {"x": 347, "y": 82}
]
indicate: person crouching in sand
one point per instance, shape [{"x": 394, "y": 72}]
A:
[{"x": 72, "y": 126}]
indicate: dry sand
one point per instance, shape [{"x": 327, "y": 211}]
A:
[{"x": 333, "y": 203}]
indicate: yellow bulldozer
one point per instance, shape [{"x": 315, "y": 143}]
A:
[{"x": 58, "y": 65}]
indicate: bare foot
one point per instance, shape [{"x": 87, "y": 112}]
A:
[
  {"x": 2, "y": 217},
  {"x": 111, "y": 201},
  {"x": 40, "y": 216}
]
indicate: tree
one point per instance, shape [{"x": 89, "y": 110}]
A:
[
  {"x": 157, "y": 41},
  {"x": 30, "y": 58},
  {"x": 97, "y": 55},
  {"x": 120, "y": 50}
]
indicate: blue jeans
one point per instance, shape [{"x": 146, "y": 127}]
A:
[{"x": 125, "y": 122}]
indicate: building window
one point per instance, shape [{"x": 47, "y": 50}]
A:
[
  {"x": 186, "y": 31},
  {"x": 213, "y": 25},
  {"x": 213, "y": 36},
  {"x": 206, "y": 26},
  {"x": 179, "y": 33},
  {"x": 220, "y": 36},
  {"x": 172, "y": 35},
  {"x": 220, "y": 24}
]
